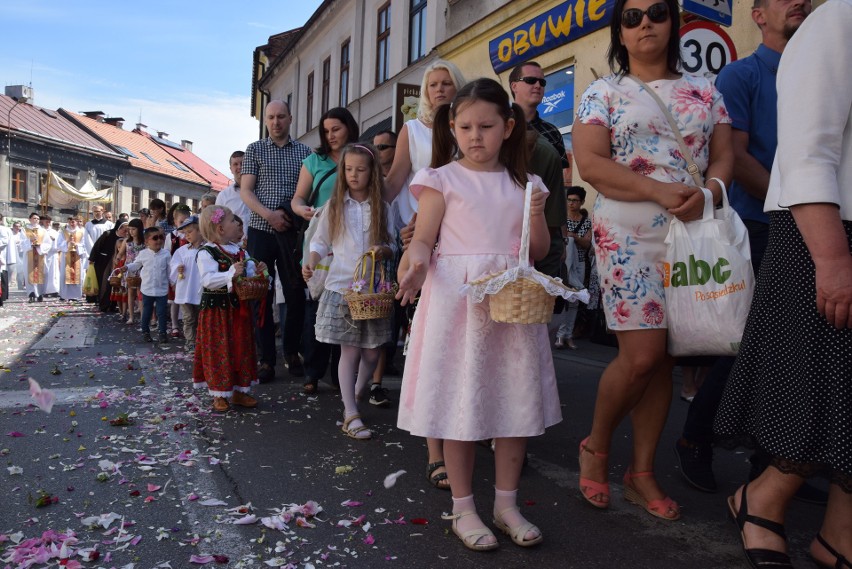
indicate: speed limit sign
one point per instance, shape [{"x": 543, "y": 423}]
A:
[{"x": 705, "y": 48}]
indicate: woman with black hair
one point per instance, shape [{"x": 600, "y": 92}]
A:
[
  {"x": 314, "y": 188},
  {"x": 626, "y": 149}
]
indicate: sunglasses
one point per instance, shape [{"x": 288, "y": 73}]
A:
[
  {"x": 657, "y": 13},
  {"x": 156, "y": 237},
  {"x": 385, "y": 146},
  {"x": 533, "y": 80}
]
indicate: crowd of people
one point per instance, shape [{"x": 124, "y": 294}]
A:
[{"x": 441, "y": 204}]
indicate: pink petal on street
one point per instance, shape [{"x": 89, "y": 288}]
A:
[
  {"x": 153, "y": 487},
  {"x": 44, "y": 398}
]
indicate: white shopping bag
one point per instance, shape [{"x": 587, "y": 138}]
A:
[{"x": 709, "y": 282}]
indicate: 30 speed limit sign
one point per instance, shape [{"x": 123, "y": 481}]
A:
[{"x": 705, "y": 48}]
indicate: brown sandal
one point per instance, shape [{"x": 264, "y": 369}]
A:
[{"x": 220, "y": 404}]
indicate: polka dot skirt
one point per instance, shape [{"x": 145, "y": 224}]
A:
[{"x": 790, "y": 391}]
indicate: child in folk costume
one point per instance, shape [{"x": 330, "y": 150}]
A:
[
  {"x": 184, "y": 276},
  {"x": 225, "y": 354},
  {"x": 135, "y": 243},
  {"x": 354, "y": 221},
  {"x": 468, "y": 378},
  {"x": 118, "y": 294}
]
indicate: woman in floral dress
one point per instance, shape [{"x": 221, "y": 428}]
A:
[{"x": 625, "y": 148}]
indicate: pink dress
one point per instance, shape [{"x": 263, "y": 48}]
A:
[{"x": 467, "y": 377}]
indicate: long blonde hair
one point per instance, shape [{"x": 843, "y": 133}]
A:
[{"x": 379, "y": 233}]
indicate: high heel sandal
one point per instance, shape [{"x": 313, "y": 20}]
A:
[
  {"x": 840, "y": 562},
  {"x": 518, "y": 534},
  {"x": 758, "y": 558},
  {"x": 657, "y": 508},
  {"x": 471, "y": 538},
  {"x": 591, "y": 488}
]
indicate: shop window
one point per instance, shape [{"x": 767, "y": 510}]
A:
[
  {"x": 557, "y": 105},
  {"x": 383, "y": 44},
  {"x": 417, "y": 31},
  {"x": 19, "y": 185}
]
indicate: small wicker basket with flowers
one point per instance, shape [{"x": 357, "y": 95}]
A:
[
  {"x": 522, "y": 295},
  {"x": 370, "y": 298}
]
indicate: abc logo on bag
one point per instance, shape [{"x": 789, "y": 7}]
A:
[{"x": 698, "y": 272}]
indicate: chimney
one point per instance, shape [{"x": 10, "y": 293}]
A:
[
  {"x": 96, "y": 115},
  {"x": 115, "y": 121},
  {"x": 21, "y": 93},
  {"x": 162, "y": 134},
  {"x": 187, "y": 144},
  {"x": 141, "y": 127}
]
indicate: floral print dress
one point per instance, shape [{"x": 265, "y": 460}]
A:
[{"x": 629, "y": 236}]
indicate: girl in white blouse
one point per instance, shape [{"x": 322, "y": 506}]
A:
[{"x": 355, "y": 221}]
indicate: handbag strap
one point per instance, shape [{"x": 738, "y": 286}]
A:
[
  {"x": 692, "y": 167},
  {"x": 315, "y": 191}
]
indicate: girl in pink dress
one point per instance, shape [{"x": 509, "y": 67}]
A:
[{"x": 468, "y": 378}]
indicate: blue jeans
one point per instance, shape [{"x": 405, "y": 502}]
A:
[{"x": 162, "y": 303}]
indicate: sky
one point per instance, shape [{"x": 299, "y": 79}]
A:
[{"x": 183, "y": 66}]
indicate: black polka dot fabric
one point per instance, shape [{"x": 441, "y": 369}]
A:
[{"x": 790, "y": 391}]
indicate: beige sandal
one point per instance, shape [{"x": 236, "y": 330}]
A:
[
  {"x": 354, "y": 432},
  {"x": 471, "y": 538},
  {"x": 518, "y": 534}
]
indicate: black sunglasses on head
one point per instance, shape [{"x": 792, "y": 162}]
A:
[
  {"x": 657, "y": 13},
  {"x": 385, "y": 146},
  {"x": 533, "y": 80}
]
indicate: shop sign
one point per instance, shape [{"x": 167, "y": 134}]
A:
[
  {"x": 406, "y": 100},
  {"x": 554, "y": 102},
  {"x": 558, "y": 26},
  {"x": 713, "y": 10}
]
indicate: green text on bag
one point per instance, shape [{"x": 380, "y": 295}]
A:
[{"x": 696, "y": 272}]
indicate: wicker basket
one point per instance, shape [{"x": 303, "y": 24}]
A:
[
  {"x": 133, "y": 282},
  {"x": 370, "y": 305},
  {"x": 115, "y": 280},
  {"x": 522, "y": 302},
  {"x": 251, "y": 288}
]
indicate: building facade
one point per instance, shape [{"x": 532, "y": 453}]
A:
[{"x": 360, "y": 53}]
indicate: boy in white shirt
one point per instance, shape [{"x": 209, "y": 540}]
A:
[
  {"x": 183, "y": 273},
  {"x": 154, "y": 264}
]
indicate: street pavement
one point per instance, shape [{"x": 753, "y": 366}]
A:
[{"x": 133, "y": 467}]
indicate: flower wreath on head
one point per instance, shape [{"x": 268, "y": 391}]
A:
[{"x": 217, "y": 216}]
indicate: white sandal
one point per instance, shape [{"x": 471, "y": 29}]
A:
[
  {"x": 355, "y": 432},
  {"x": 518, "y": 534},
  {"x": 471, "y": 538}
]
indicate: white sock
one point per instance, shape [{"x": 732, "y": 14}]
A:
[
  {"x": 506, "y": 510},
  {"x": 470, "y": 522}
]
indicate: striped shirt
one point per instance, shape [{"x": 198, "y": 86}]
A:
[{"x": 277, "y": 171}]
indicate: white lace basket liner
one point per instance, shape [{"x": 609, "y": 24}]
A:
[{"x": 530, "y": 294}]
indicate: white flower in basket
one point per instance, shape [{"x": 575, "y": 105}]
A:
[{"x": 522, "y": 295}]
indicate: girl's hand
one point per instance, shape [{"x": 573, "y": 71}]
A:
[
  {"x": 411, "y": 282},
  {"x": 537, "y": 202},
  {"x": 239, "y": 268},
  {"x": 307, "y": 272},
  {"x": 261, "y": 266},
  {"x": 692, "y": 208},
  {"x": 407, "y": 232},
  {"x": 181, "y": 268}
]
